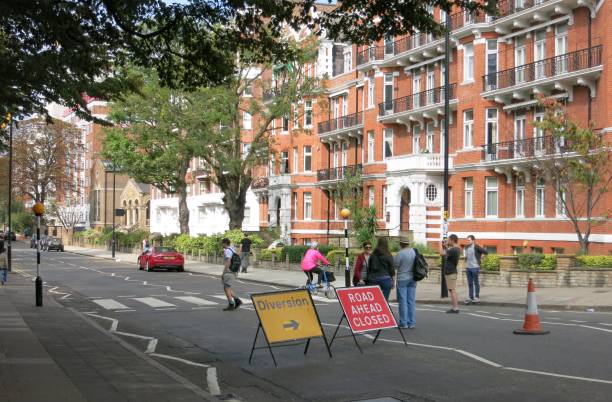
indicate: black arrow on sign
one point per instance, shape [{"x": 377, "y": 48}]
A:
[{"x": 293, "y": 324}]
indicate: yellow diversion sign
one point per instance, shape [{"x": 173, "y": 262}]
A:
[{"x": 287, "y": 316}]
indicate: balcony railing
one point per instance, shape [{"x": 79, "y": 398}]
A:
[
  {"x": 509, "y": 7},
  {"x": 415, "y": 101},
  {"x": 340, "y": 123},
  {"x": 259, "y": 183},
  {"x": 525, "y": 148},
  {"x": 338, "y": 173},
  {"x": 391, "y": 49},
  {"x": 547, "y": 68},
  {"x": 464, "y": 18}
]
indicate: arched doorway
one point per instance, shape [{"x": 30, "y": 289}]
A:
[{"x": 405, "y": 210}]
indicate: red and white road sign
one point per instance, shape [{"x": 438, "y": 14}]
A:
[{"x": 365, "y": 308}]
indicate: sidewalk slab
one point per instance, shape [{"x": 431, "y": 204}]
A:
[
  {"x": 576, "y": 298},
  {"x": 51, "y": 353}
]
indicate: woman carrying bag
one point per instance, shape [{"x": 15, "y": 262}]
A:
[{"x": 381, "y": 268}]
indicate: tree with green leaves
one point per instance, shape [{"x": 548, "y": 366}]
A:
[
  {"x": 349, "y": 194},
  {"x": 157, "y": 132},
  {"x": 578, "y": 162}
]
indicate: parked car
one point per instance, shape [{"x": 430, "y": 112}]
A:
[
  {"x": 161, "y": 257},
  {"x": 55, "y": 243}
]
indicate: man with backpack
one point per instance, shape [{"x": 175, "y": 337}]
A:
[
  {"x": 411, "y": 268},
  {"x": 231, "y": 267}
]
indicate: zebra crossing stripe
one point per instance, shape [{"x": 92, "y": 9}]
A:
[
  {"x": 196, "y": 300},
  {"x": 223, "y": 297},
  {"x": 153, "y": 302},
  {"x": 110, "y": 304}
]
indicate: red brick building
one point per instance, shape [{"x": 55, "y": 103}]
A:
[{"x": 384, "y": 116}]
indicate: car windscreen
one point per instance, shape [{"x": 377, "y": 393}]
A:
[{"x": 165, "y": 250}]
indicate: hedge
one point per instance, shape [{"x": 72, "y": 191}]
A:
[
  {"x": 537, "y": 261},
  {"x": 595, "y": 261},
  {"x": 490, "y": 262},
  {"x": 295, "y": 253},
  {"x": 338, "y": 254},
  {"x": 266, "y": 255}
]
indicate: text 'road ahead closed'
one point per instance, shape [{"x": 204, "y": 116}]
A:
[{"x": 365, "y": 308}]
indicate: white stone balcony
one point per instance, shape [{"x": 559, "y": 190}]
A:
[{"x": 417, "y": 163}]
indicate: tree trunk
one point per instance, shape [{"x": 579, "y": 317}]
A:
[
  {"x": 183, "y": 211},
  {"x": 234, "y": 203},
  {"x": 584, "y": 245}
]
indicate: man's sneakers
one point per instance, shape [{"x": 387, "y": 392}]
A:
[
  {"x": 452, "y": 311},
  {"x": 234, "y": 306},
  {"x": 468, "y": 301},
  {"x": 476, "y": 300},
  {"x": 237, "y": 302}
]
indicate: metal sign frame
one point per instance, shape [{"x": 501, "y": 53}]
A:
[
  {"x": 344, "y": 317},
  {"x": 290, "y": 342}
]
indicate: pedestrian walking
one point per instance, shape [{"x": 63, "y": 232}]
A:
[
  {"x": 145, "y": 246},
  {"x": 231, "y": 266},
  {"x": 473, "y": 256},
  {"x": 361, "y": 264},
  {"x": 381, "y": 267},
  {"x": 245, "y": 252},
  {"x": 406, "y": 285},
  {"x": 310, "y": 263},
  {"x": 3, "y": 264},
  {"x": 452, "y": 253}
]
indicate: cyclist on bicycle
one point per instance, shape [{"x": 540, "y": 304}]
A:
[{"x": 310, "y": 263}]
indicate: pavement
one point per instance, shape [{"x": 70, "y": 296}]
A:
[
  {"x": 52, "y": 353},
  {"x": 576, "y": 298}
]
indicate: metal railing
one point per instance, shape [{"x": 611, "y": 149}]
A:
[
  {"x": 546, "y": 68},
  {"x": 415, "y": 101},
  {"x": 525, "y": 148},
  {"x": 509, "y": 7},
  {"x": 348, "y": 121},
  {"x": 399, "y": 46},
  {"x": 338, "y": 173}
]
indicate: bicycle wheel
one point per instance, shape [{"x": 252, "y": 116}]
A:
[{"x": 330, "y": 292}]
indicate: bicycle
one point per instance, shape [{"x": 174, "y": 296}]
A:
[{"x": 326, "y": 287}]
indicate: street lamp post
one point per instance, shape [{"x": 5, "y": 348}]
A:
[
  {"x": 39, "y": 210},
  {"x": 114, "y": 212},
  {"x": 443, "y": 288},
  {"x": 9, "y": 259},
  {"x": 345, "y": 213}
]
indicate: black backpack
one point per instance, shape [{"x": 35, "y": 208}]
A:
[
  {"x": 235, "y": 262},
  {"x": 420, "y": 266}
]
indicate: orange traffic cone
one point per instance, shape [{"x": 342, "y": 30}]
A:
[{"x": 532, "y": 319}]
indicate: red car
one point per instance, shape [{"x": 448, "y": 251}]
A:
[{"x": 161, "y": 257}]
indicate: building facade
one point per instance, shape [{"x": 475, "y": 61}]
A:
[{"x": 384, "y": 117}]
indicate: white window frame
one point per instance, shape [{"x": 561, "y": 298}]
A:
[
  {"x": 429, "y": 142},
  {"x": 561, "y": 196},
  {"x": 344, "y": 148},
  {"x": 308, "y": 114},
  {"x": 491, "y": 74},
  {"x": 384, "y": 202},
  {"x": 245, "y": 150},
  {"x": 247, "y": 121},
  {"x": 490, "y": 189},
  {"x": 468, "y": 129},
  {"x": 468, "y": 197},
  {"x": 284, "y": 120},
  {"x": 307, "y": 206},
  {"x": 371, "y": 146},
  {"x": 371, "y": 93},
  {"x": 371, "y": 196},
  {"x": 519, "y": 210},
  {"x": 540, "y": 198},
  {"x": 347, "y": 57},
  {"x": 294, "y": 195},
  {"x": 296, "y": 157},
  {"x": 416, "y": 139},
  {"x": 468, "y": 62},
  {"x": 307, "y": 154},
  {"x": 388, "y": 139},
  {"x": 491, "y": 123}
]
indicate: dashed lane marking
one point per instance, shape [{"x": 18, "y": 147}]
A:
[
  {"x": 153, "y": 302},
  {"x": 196, "y": 300},
  {"x": 110, "y": 304}
]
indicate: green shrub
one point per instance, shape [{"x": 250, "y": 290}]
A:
[
  {"x": 537, "y": 261},
  {"x": 266, "y": 255},
  {"x": 339, "y": 253},
  {"x": 295, "y": 253},
  {"x": 425, "y": 249},
  {"x": 394, "y": 246},
  {"x": 490, "y": 262},
  {"x": 595, "y": 261}
]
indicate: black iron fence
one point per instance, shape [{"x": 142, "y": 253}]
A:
[
  {"x": 525, "y": 148},
  {"x": 415, "y": 101},
  {"x": 338, "y": 173},
  {"x": 348, "y": 121},
  {"x": 546, "y": 68}
]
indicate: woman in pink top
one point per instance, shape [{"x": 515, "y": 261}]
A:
[{"x": 310, "y": 263}]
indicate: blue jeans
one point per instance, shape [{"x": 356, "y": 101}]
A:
[
  {"x": 385, "y": 283},
  {"x": 3, "y": 275},
  {"x": 473, "y": 282},
  {"x": 406, "y": 298}
]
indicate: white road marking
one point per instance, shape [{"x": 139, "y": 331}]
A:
[
  {"x": 196, "y": 300},
  {"x": 178, "y": 359},
  {"x": 166, "y": 309},
  {"x": 571, "y": 377},
  {"x": 324, "y": 299},
  {"x": 110, "y": 304},
  {"x": 484, "y": 316},
  {"x": 504, "y": 314},
  {"x": 599, "y": 329},
  {"x": 579, "y": 321},
  {"x": 131, "y": 296},
  {"x": 603, "y": 323},
  {"x": 153, "y": 302},
  {"x": 213, "y": 383},
  {"x": 203, "y": 308},
  {"x": 483, "y": 312},
  {"x": 223, "y": 297}
]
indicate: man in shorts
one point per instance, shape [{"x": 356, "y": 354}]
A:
[
  {"x": 452, "y": 252},
  {"x": 228, "y": 277}
]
